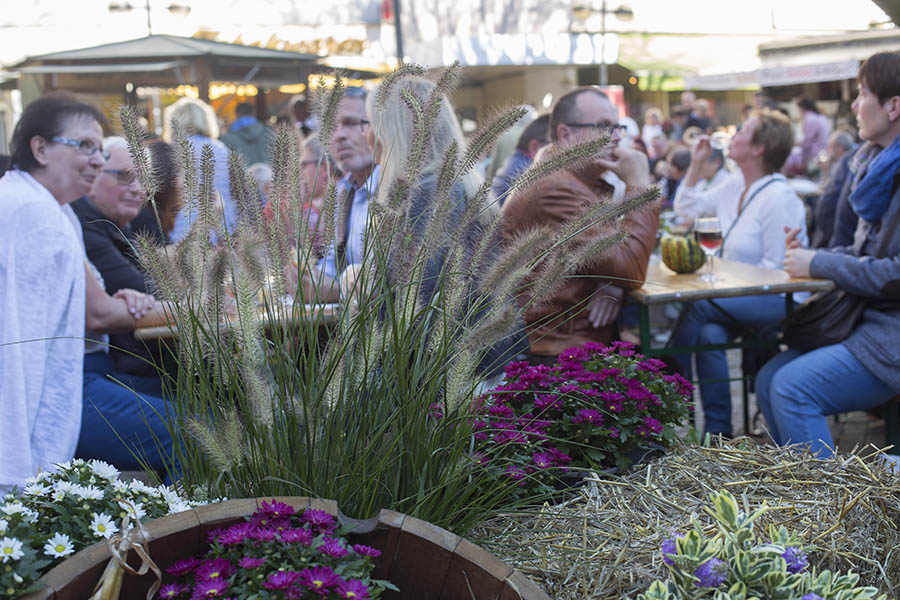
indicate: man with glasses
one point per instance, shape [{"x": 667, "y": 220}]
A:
[
  {"x": 351, "y": 149},
  {"x": 586, "y": 307}
]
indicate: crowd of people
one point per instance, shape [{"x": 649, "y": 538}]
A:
[{"x": 75, "y": 382}]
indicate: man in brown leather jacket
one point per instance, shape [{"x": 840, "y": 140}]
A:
[{"x": 586, "y": 307}]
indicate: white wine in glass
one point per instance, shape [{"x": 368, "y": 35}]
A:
[{"x": 708, "y": 232}]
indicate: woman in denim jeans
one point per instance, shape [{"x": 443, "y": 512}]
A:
[{"x": 796, "y": 391}]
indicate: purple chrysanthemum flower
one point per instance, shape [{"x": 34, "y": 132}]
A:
[
  {"x": 543, "y": 460},
  {"x": 501, "y": 410},
  {"x": 236, "y": 534},
  {"x": 297, "y": 536},
  {"x": 262, "y": 534},
  {"x": 811, "y": 596},
  {"x": 515, "y": 368},
  {"x": 352, "y": 590},
  {"x": 319, "y": 579},
  {"x": 436, "y": 410},
  {"x": 544, "y": 402},
  {"x": 613, "y": 432},
  {"x": 795, "y": 559},
  {"x": 507, "y": 437},
  {"x": 212, "y": 535},
  {"x": 669, "y": 548},
  {"x": 214, "y": 588},
  {"x": 588, "y": 415},
  {"x": 276, "y": 509},
  {"x": 217, "y": 568},
  {"x": 653, "y": 365},
  {"x": 653, "y": 425},
  {"x": 280, "y": 580},
  {"x": 172, "y": 590},
  {"x": 712, "y": 573},
  {"x": 573, "y": 354},
  {"x": 183, "y": 567},
  {"x": 559, "y": 456},
  {"x": 364, "y": 550},
  {"x": 250, "y": 562},
  {"x": 333, "y": 547},
  {"x": 319, "y": 519},
  {"x": 515, "y": 473}
]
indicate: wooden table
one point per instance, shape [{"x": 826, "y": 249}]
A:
[
  {"x": 323, "y": 314},
  {"x": 663, "y": 286}
]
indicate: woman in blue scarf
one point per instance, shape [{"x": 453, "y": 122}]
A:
[{"x": 797, "y": 391}]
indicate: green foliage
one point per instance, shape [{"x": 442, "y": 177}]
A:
[
  {"x": 733, "y": 565},
  {"x": 269, "y": 404}
]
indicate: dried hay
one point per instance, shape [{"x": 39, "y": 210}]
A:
[{"x": 605, "y": 542}]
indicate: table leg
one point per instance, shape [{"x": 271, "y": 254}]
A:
[{"x": 645, "y": 329}]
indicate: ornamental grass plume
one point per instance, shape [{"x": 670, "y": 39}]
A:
[{"x": 269, "y": 404}]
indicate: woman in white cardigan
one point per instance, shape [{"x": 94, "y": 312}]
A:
[
  {"x": 57, "y": 152},
  {"x": 753, "y": 206}
]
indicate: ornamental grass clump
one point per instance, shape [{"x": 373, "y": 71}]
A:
[
  {"x": 278, "y": 554},
  {"x": 276, "y": 399},
  {"x": 734, "y": 565},
  {"x": 63, "y": 511},
  {"x": 593, "y": 409}
]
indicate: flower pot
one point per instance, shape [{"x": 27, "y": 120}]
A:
[{"x": 421, "y": 559}]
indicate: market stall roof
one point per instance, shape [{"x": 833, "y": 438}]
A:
[{"x": 167, "y": 61}]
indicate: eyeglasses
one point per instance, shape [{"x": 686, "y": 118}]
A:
[
  {"x": 350, "y": 123},
  {"x": 86, "y": 147},
  {"x": 600, "y": 126},
  {"x": 124, "y": 177}
]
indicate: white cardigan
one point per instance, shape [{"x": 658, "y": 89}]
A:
[
  {"x": 758, "y": 238},
  {"x": 42, "y": 308}
]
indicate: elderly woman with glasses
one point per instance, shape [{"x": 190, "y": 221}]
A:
[
  {"x": 57, "y": 154},
  {"x": 113, "y": 413}
]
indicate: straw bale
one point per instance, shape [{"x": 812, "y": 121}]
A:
[{"x": 604, "y": 542}]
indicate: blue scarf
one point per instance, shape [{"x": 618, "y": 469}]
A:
[
  {"x": 872, "y": 194},
  {"x": 242, "y": 122}
]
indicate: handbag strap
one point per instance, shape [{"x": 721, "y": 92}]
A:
[{"x": 741, "y": 212}]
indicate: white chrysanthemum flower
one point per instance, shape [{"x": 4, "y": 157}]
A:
[
  {"x": 102, "y": 525},
  {"x": 14, "y": 508},
  {"x": 77, "y": 462},
  {"x": 135, "y": 510},
  {"x": 120, "y": 487},
  {"x": 10, "y": 549},
  {"x": 58, "y": 546},
  {"x": 64, "y": 466},
  {"x": 168, "y": 495},
  {"x": 4, "y": 524},
  {"x": 38, "y": 477},
  {"x": 139, "y": 487},
  {"x": 178, "y": 506},
  {"x": 17, "y": 578},
  {"x": 104, "y": 470},
  {"x": 88, "y": 492},
  {"x": 36, "y": 489}
]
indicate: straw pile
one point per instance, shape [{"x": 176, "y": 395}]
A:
[{"x": 604, "y": 543}]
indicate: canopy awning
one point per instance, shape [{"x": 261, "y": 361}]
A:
[{"x": 101, "y": 68}]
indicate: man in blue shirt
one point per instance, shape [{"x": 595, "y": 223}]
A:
[
  {"x": 534, "y": 137},
  {"x": 351, "y": 150}
]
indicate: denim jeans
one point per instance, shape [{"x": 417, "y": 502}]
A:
[
  {"x": 111, "y": 411},
  {"x": 796, "y": 393},
  {"x": 705, "y": 324}
]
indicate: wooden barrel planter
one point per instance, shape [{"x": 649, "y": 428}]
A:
[{"x": 424, "y": 561}]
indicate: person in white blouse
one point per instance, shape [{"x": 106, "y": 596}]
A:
[{"x": 754, "y": 205}]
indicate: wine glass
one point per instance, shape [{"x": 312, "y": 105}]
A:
[
  {"x": 708, "y": 232},
  {"x": 720, "y": 140}
]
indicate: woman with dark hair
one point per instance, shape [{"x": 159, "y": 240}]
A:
[
  {"x": 168, "y": 198},
  {"x": 57, "y": 153},
  {"x": 797, "y": 390}
]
